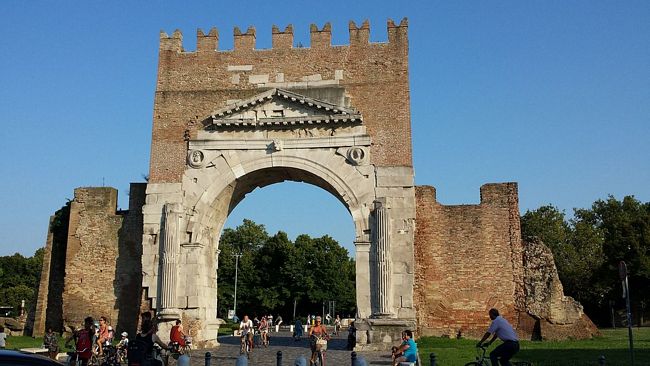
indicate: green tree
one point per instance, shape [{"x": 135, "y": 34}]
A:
[
  {"x": 588, "y": 248},
  {"x": 19, "y": 279},
  {"x": 274, "y": 272}
]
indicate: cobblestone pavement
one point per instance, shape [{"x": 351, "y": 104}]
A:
[{"x": 337, "y": 355}]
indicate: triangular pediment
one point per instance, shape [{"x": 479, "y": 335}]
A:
[{"x": 279, "y": 107}]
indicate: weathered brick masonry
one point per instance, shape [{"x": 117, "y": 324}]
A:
[
  {"x": 373, "y": 75},
  {"x": 468, "y": 260}
]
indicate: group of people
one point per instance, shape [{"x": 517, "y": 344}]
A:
[
  {"x": 89, "y": 340},
  {"x": 95, "y": 338}
]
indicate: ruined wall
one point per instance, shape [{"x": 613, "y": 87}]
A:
[
  {"x": 103, "y": 258},
  {"x": 372, "y": 76},
  {"x": 468, "y": 260},
  {"x": 549, "y": 314},
  {"x": 40, "y": 314}
]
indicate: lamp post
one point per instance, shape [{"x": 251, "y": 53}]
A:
[{"x": 236, "y": 270}]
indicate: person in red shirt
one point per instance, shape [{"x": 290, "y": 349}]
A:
[{"x": 177, "y": 335}]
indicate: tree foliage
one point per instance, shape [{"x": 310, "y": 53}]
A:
[
  {"x": 273, "y": 272},
  {"x": 19, "y": 279},
  {"x": 588, "y": 247}
]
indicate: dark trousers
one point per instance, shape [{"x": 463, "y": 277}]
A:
[{"x": 504, "y": 353}]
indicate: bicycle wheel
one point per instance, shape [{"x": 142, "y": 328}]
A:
[{"x": 321, "y": 358}]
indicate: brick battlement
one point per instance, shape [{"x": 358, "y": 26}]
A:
[{"x": 319, "y": 38}]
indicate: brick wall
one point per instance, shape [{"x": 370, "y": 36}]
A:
[
  {"x": 468, "y": 260},
  {"x": 191, "y": 85}
]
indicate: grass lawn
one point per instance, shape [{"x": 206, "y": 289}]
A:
[{"x": 613, "y": 345}]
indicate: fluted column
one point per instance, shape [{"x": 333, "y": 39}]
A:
[
  {"x": 383, "y": 260},
  {"x": 169, "y": 258}
]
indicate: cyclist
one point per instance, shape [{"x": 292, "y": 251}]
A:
[
  {"x": 318, "y": 331},
  {"x": 503, "y": 330},
  {"x": 177, "y": 335},
  {"x": 264, "y": 331},
  {"x": 337, "y": 324},
  {"x": 246, "y": 328},
  {"x": 83, "y": 342},
  {"x": 104, "y": 334},
  {"x": 407, "y": 351}
]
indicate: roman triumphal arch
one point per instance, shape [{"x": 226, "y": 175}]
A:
[
  {"x": 274, "y": 136},
  {"x": 226, "y": 122}
]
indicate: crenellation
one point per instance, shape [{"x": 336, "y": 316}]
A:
[
  {"x": 171, "y": 43},
  {"x": 244, "y": 41},
  {"x": 320, "y": 38},
  {"x": 207, "y": 42},
  {"x": 359, "y": 36},
  {"x": 282, "y": 40},
  {"x": 397, "y": 34}
]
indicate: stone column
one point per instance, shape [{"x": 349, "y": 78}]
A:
[
  {"x": 382, "y": 260},
  {"x": 170, "y": 247}
]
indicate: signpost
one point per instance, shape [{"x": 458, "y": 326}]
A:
[{"x": 622, "y": 272}]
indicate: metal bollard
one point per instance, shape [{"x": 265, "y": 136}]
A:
[
  {"x": 300, "y": 361},
  {"x": 242, "y": 360},
  {"x": 279, "y": 356},
  {"x": 601, "y": 360},
  {"x": 208, "y": 358},
  {"x": 183, "y": 360},
  {"x": 360, "y": 361},
  {"x": 432, "y": 359}
]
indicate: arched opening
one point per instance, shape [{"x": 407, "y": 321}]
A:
[{"x": 295, "y": 274}]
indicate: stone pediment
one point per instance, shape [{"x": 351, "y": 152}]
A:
[{"x": 281, "y": 108}]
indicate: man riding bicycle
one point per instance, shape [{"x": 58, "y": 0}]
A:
[{"x": 246, "y": 329}]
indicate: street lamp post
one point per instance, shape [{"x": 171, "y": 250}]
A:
[{"x": 236, "y": 270}]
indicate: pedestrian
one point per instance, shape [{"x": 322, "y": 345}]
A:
[
  {"x": 51, "y": 342},
  {"x": 3, "y": 338}
]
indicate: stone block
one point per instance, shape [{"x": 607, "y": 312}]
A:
[
  {"x": 258, "y": 79},
  {"x": 240, "y": 67},
  {"x": 313, "y": 77},
  {"x": 163, "y": 188}
]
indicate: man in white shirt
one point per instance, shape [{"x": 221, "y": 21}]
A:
[
  {"x": 246, "y": 328},
  {"x": 503, "y": 330}
]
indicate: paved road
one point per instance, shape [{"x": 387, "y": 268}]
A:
[{"x": 337, "y": 355}]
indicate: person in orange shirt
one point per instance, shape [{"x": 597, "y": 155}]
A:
[{"x": 177, "y": 335}]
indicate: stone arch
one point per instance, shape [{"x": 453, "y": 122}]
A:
[{"x": 337, "y": 178}]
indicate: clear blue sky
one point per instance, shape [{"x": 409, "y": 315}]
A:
[{"x": 552, "y": 94}]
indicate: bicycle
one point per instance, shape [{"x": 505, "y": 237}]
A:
[
  {"x": 481, "y": 360},
  {"x": 321, "y": 348},
  {"x": 75, "y": 360},
  {"x": 177, "y": 350},
  {"x": 246, "y": 345}
]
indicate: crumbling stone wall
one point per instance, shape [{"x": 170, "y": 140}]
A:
[
  {"x": 554, "y": 316},
  {"x": 373, "y": 77},
  {"x": 468, "y": 260},
  {"x": 96, "y": 268}
]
